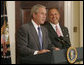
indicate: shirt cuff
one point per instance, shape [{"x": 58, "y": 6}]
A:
[{"x": 35, "y": 52}]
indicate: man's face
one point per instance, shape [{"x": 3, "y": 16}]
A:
[
  {"x": 40, "y": 17},
  {"x": 54, "y": 16}
]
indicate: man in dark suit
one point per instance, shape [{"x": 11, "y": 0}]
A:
[
  {"x": 32, "y": 38},
  {"x": 58, "y": 34}
]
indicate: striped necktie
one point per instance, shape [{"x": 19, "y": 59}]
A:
[
  {"x": 58, "y": 31},
  {"x": 40, "y": 37}
]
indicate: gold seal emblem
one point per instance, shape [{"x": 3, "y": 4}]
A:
[{"x": 71, "y": 55}]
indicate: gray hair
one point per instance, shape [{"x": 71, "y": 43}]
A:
[{"x": 35, "y": 9}]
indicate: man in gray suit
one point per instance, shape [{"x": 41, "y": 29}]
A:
[
  {"x": 32, "y": 38},
  {"x": 58, "y": 34}
]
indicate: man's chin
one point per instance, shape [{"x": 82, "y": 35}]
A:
[{"x": 42, "y": 23}]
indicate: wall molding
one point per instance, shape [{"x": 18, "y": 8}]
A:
[
  {"x": 68, "y": 18},
  {"x": 11, "y": 22}
]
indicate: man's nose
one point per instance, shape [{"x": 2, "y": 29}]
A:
[{"x": 54, "y": 15}]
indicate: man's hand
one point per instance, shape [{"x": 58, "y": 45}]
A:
[{"x": 43, "y": 51}]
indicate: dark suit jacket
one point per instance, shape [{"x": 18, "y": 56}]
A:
[
  {"x": 27, "y": 40},
  {"x": 55, "y": 39}
]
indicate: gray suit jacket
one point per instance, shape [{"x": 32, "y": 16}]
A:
[{"x": 27, "y": 40}]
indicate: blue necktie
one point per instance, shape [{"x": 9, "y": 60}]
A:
[{"x": 40, "y": 37}]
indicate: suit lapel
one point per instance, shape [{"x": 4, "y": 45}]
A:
[
  {"x": 34, "y": 34},
  {"x": 62, "y": 28},
  {"x": 52, "y": 30}
]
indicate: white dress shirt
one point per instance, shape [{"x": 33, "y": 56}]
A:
[{"x": 54, "y": 27}]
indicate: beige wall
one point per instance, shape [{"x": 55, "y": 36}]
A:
[
  {"x": 74, "y": 18},
  {"x": 76, "y": 23},
  {"x": 81, "y": 24}
]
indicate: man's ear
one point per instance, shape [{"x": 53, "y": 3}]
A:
[
  {"x": 59, "y": 16},
  {"x": 34, "y": 15}
]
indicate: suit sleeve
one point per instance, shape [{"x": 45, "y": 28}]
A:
[{"x": 22, "y": 40}]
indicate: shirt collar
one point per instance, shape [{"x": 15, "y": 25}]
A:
[
  {"x": 35, "y": 25},
  {"x": 54, "y": 25}
]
